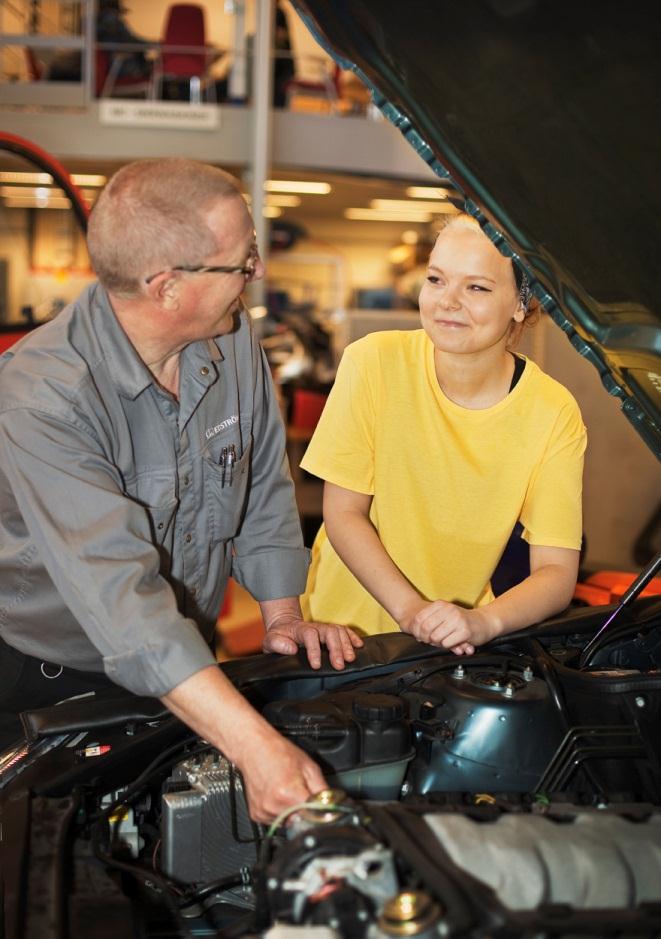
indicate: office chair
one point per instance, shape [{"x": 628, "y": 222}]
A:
[{"x": 184, "y": 54}]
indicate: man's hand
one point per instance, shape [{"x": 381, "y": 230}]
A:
[
  {"x": 450, "y": 627},
  {"x": 277, "y": 775},
  {"x": 289, "y": 631}
]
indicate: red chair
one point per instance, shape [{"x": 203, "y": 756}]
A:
[
  {"x": 184, "y": 54},
  {"x": 109, "y": 83},
  {"x": 327, "y": 89}
]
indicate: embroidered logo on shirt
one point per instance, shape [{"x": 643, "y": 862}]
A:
[{"x": 216, "y": 429}]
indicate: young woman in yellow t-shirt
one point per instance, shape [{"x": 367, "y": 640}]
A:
[{"x": 432, "y": 451}]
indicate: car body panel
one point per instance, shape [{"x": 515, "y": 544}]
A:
[{"x": 544, "y": 117}]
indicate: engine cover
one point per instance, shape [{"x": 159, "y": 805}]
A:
[{"x": 595, "y": 861}]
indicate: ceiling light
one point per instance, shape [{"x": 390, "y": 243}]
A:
[
  {"x": 88, "y": 179},
  {"x": 27, "y": 202},
  {"x": 410, "y": 237},
  {"x": 271, "y": 211},
  {"x": 258, "y": 312},
  {"x": 426, "y": 192},
  {"x": 33, "y": 192},
  {"x": 286, "y": 202},
  {"x": 406, "y": 205},
  {"x": 34, "y": 179},
  {"x": 45, "y": 179},
  {"x": 372, "y": 215},
  {"x": 302, "y": 186},
  {"x": 400, "y": 254}
]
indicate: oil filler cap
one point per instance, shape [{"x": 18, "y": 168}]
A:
[{"x": 378, "y": 707}]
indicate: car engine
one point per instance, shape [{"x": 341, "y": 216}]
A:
[{"x": 514, "y": 792}]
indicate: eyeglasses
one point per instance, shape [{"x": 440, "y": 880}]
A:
[{"x": 247, "y": 270}]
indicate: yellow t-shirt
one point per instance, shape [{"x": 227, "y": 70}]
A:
[{"x": 448, "y": 483}]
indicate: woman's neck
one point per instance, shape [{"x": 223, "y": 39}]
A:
[{"x": 477, "y": 381}]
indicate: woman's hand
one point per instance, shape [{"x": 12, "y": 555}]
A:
[
  {"x": 451, "y": 627},
  {"x": 287, "y": 632}
]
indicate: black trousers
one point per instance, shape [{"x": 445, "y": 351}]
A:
[{"x": 27, "y": 683}]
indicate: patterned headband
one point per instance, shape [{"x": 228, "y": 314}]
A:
[{"x": 525, "y": 292}]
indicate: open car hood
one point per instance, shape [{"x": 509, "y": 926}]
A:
[{"x": 544, "y": 117}]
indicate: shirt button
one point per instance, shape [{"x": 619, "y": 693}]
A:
[
  {"x": 204, "y": 371},
  {"x": 189, "y": 538},
  {"x": 160, "y": 526},
  {"x": 186, "y": 480}
]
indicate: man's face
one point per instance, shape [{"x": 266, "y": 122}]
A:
[
  {"x": 209, "y": 301},
  {"x": 469, "y": 299}
]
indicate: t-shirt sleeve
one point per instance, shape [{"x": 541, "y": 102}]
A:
[
  {"x": 342, "y": 447},
  {"x": 552, "y": 511}
]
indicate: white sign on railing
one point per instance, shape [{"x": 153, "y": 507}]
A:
[{"x": 173, "y": 114}]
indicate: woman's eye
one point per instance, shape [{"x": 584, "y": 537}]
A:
[
  {"x": 479, "y": 287},
  {"x": 433, "y": 279}
]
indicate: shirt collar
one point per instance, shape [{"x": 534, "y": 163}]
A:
[{"x": 129, "y": 373}]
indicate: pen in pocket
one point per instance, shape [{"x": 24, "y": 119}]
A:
[{"x": 227, "y": 461}]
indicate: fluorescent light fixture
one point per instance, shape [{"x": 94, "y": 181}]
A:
[
  {"x": 426, "y": 192},
  {"x": 27, "y": 202},
  {"x": 34, "y": 192},
  {"x": 304, "y": 187},
  {"x": 399, "y": 254},
  {"x": 45, "y": 179},
  {"x": 409, "y": 205},
  {"x": 88, "y": 179},
  {"x": 372, "y": 215},
  {"x": 284, "y": 201},
  {"x": 34, "y": 179},
  {"x": 272, "y": 211}
]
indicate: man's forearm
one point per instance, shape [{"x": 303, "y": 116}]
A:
[
  {"x": 211, "y": 706},
  {"x": 276, "y": 774}
]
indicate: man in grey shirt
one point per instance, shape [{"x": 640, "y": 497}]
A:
[{"x": 142, "y": 461}]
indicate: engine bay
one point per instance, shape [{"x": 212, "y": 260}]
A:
[{"x": 513, "y": 792}]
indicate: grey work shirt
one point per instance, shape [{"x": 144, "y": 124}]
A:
[{"x": 118, "y": 524}]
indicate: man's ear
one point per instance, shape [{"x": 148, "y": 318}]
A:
[{"x": 164, "y": 290}]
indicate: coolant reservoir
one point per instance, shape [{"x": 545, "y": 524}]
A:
[{"x": 362, "y": 741}]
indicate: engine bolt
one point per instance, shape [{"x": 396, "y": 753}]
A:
[
  {"x": 459, "y": 672},
  {"x": 309, "y": 841},
  {"x": 527, "y": 673},
  {"x": 640, "y": 701},
  {"x": 410, "y": 913},
  {"x": 272, "y": 883}
]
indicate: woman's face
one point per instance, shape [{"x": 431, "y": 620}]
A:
[{"x": 469, "y": 300}]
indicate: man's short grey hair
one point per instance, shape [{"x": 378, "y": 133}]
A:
[{"x": 150, "y": 217}]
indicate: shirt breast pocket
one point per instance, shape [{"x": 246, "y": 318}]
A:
[
  {"x": 161, "y": 518},
  {"x": 227, "y": 488},
  {"x": 154, "y": 490}
]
